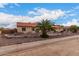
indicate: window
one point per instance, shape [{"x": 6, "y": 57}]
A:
[
  {"x": 32, "y": 29},
  {"x": 23, "y": 29}
]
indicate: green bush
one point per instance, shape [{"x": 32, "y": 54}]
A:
[{"x": 73, "y": 28}]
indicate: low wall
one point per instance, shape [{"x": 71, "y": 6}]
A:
[{"x": 12, "y": 48}]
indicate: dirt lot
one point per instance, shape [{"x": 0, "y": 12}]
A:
[
  {"x": 10, "y": 41},
  {"x": 66, "y": 47}
]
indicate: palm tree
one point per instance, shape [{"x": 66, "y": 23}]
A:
[{"x": 44, "y": 26}]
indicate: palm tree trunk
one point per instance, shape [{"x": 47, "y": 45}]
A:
[{"x": 44, "y": 34}]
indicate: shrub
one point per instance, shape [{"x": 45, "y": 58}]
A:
[{"x": 73, "y": 28}]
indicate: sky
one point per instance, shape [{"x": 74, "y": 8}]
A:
[{"x": 60, "y": 13}]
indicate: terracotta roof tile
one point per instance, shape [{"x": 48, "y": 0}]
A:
[
  {"x": 21, "y": 24},
  {"x": 56, "y": 26}
]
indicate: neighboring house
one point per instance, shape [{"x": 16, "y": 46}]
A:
[
  {"x": 8, "y": 31},
  {"x": 0, "y": 31},
  {"x": 25, "y": 27},
  {"x": 58, "y": 28}
]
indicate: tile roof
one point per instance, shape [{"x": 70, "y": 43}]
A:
[
  {"x": 56, "y": 26},
  {"x": 22, "y": 24}
]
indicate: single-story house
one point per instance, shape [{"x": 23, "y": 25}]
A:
[
  {"x": 25, "y": 27},
  {"x": 58, "y": 28},
  {"x": 30, "y": 27}
]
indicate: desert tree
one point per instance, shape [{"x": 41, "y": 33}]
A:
[{"x": 73, "y": 28}]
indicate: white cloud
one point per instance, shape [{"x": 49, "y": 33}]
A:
[
  {"x": 77, "y": 7},
  {"x": 72, "y": 9},
  {"x": 2, "y": 5},
  {"x": 73, "y": 22},
  {"x": 32, "y": 13},
  {"x": 10, "y": 20},
  {"x": 42, "y": 11},
  {"x": 17, "y": 4},
  {"x": 47, "y": 14},
  {"x": 71, "y": 14}
]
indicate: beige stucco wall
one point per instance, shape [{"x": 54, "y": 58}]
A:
[
  {"x": 28, "y": 29},
  {"x": 19, "y": 29},
  {"x": 0, "y": 32},
  {"x": 59, "y": 29}
]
